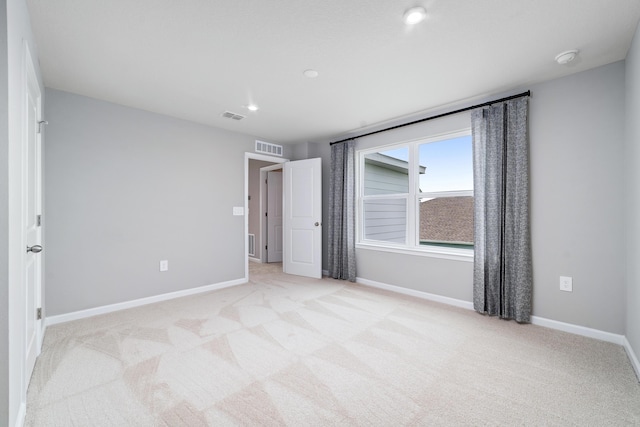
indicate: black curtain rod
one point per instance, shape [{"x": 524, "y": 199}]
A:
[{"x": 462, "y": 110}]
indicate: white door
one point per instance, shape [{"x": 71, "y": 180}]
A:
[
  {"x": 303, "y": 218},
  {"x": 31, "y": 149},
  {"x": 274, "y": 216}
]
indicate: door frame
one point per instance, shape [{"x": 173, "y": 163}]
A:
[
  {"x": 247, "y": 157},
  {"x": 31, "y": 79},
  {"x": 263, "y": 207},
  {"x": 17, "y": 311}
]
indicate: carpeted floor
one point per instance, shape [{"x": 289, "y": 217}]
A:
[{"x": 286, "y": 350}]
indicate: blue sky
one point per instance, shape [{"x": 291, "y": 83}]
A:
[{"x": 449, "y": 164}]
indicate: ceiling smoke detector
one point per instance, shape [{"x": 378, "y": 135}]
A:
[{"x": 566, "y": 57}]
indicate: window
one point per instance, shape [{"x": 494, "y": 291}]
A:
[
  {"x": 418, "y": 195},
  {"x": 386, "y": 189}
]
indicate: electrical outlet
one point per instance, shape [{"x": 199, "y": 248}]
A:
[
  {"x": 566, "y": 284},
  {"x": 164, "y": 265}
]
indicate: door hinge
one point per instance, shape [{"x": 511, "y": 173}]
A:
[
  {"x": 39, "y": 313},
  {"x": 39, "y": 220},
  {"x": 266, "y": 214},
  {"x": 265, "y": 247}
]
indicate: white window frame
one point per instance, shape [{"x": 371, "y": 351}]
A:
[{"x": 412, "y": 245}]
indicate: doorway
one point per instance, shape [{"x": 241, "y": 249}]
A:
[
  {"x": 302, "y": 214},
  {"x": 272, "y": 206},
  {"x": 256, "y": 168}
]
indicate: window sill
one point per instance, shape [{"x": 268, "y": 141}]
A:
[{"x": 455, "y": 254}]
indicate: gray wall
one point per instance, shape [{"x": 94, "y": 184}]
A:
[
  {"x": 323, "y": 151},
  {"x": 577, "y": 197},
  {"x": 438, "y": 276},
  {"x": 577, "y": 135},
  {"x": 127, "y": 188},
  {"x": 4, "y": 220},
  {"x": 632, "y": 180}
]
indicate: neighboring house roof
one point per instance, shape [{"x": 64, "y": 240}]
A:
[{"x": 447, "y": 219}]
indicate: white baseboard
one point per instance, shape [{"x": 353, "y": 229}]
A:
[
  {"x": 418, "y": 294},
  {"x": 325, "y": 273},
  {"x": 252, "y": 259},
  {"x": 632, "y": 357},
  {"x": 578, "y": 330},
  {"x": 540, "y": 321},
  {"x": 82, "y": 314}
]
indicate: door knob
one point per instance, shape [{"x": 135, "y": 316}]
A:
[{"x": 35, "y": 249}]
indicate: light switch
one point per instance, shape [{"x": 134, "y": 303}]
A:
[{"x": 238, "y": 210}]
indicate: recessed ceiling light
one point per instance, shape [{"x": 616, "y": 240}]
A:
[
  {"x": 566, "y": 57},
  {"x": 312, "y": 74},
  {"x": 252, "y": 107},
  {"x": 414, "y": 15}
]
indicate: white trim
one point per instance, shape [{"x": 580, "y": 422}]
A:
[
  {"x": 258, "y": 260},
  {"x": 437, "y": 194},
  {"x": 454, "y": 254},
  {"x": 632, "y": 357},
  {"x": 32, "y": 79},
  {"x": 578, "y": 330},
  {"x": 414, "y": 293},
  {"x": 535, "y": 320},
  {"x": 82, "y": 314},
  {"x": 254, "y": 156},
  {"x": 325, "y": 273},
  {"x": 414, "y": 194},
  {"x": 22, "y": 414}
]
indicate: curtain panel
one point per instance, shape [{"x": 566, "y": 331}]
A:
[
  {"x": 502, "y": 282},
  {"x": 342, "y": 213}
]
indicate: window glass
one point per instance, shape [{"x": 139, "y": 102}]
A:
[
  {"x": 385, "y": 219},
  {"x": 446, "y": 221},
  {"x": 445, "y": 204},
  {"x": 420, "y": 202},
  {"x": 446, "y": 165},
  {"x": 386, "y": 172}
]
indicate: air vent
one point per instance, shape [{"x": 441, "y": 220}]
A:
[
  {"x": 232, "y": 116},
  {"x": 268, "y": 148}
]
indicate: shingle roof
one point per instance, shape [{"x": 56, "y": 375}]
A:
[{"x": 447, "y": 219}]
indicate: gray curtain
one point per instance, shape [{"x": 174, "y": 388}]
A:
[
  {"x": 502, "y": 281},
  {"x": 342, "y": 214}
]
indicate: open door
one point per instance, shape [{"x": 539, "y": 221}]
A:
[
  {"x": 32, "y": 205},
  {"x": 274, "y": 216},
  {"x": 303, "y": 218}
]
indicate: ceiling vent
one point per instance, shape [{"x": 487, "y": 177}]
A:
[
  {"x": 232, "y": 116},
  {"x": 268, "y": 148}
]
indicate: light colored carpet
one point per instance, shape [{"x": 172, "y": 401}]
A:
[{"x": 286, "y": 350}]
